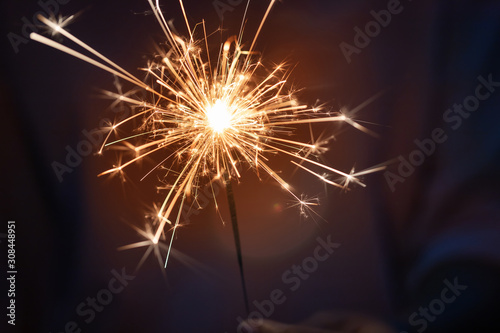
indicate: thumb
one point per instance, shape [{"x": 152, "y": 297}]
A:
[{"x": 269, "y": 326}]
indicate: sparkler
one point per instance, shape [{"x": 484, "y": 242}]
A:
[{"x": 208, "y": 118}]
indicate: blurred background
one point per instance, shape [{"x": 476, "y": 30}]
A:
[{"x": 398, "y": 239}]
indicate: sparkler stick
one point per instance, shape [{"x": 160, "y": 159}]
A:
[{"x": 237, "y": 243}]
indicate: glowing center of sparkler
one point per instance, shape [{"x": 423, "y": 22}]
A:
[{"x": 219, "y": 117}]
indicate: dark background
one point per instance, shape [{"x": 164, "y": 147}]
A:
[{"x": 442, "y": 222}]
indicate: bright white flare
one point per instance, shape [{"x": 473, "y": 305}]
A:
[{"x": 219, "y": 116}]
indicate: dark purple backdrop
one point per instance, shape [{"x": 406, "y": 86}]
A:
[{"x": 395, "y": 247}]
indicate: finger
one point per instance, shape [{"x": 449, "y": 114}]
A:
[
  {"x": 269, "y": 326},
  {"x": 333, "y": 320},
  {"x": 347, "y": 322}
]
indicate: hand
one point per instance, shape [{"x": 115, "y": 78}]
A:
[
  {"x": 326, "y": 322},
  {"x": 269, "y": 326}
]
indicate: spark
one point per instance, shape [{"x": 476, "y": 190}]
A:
[
  {"x": 306, "y": 206},
  {"x": 209, "y": 119},
  {"x": 159, "y": 249},
  {"x": 60, "y": 23}
]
